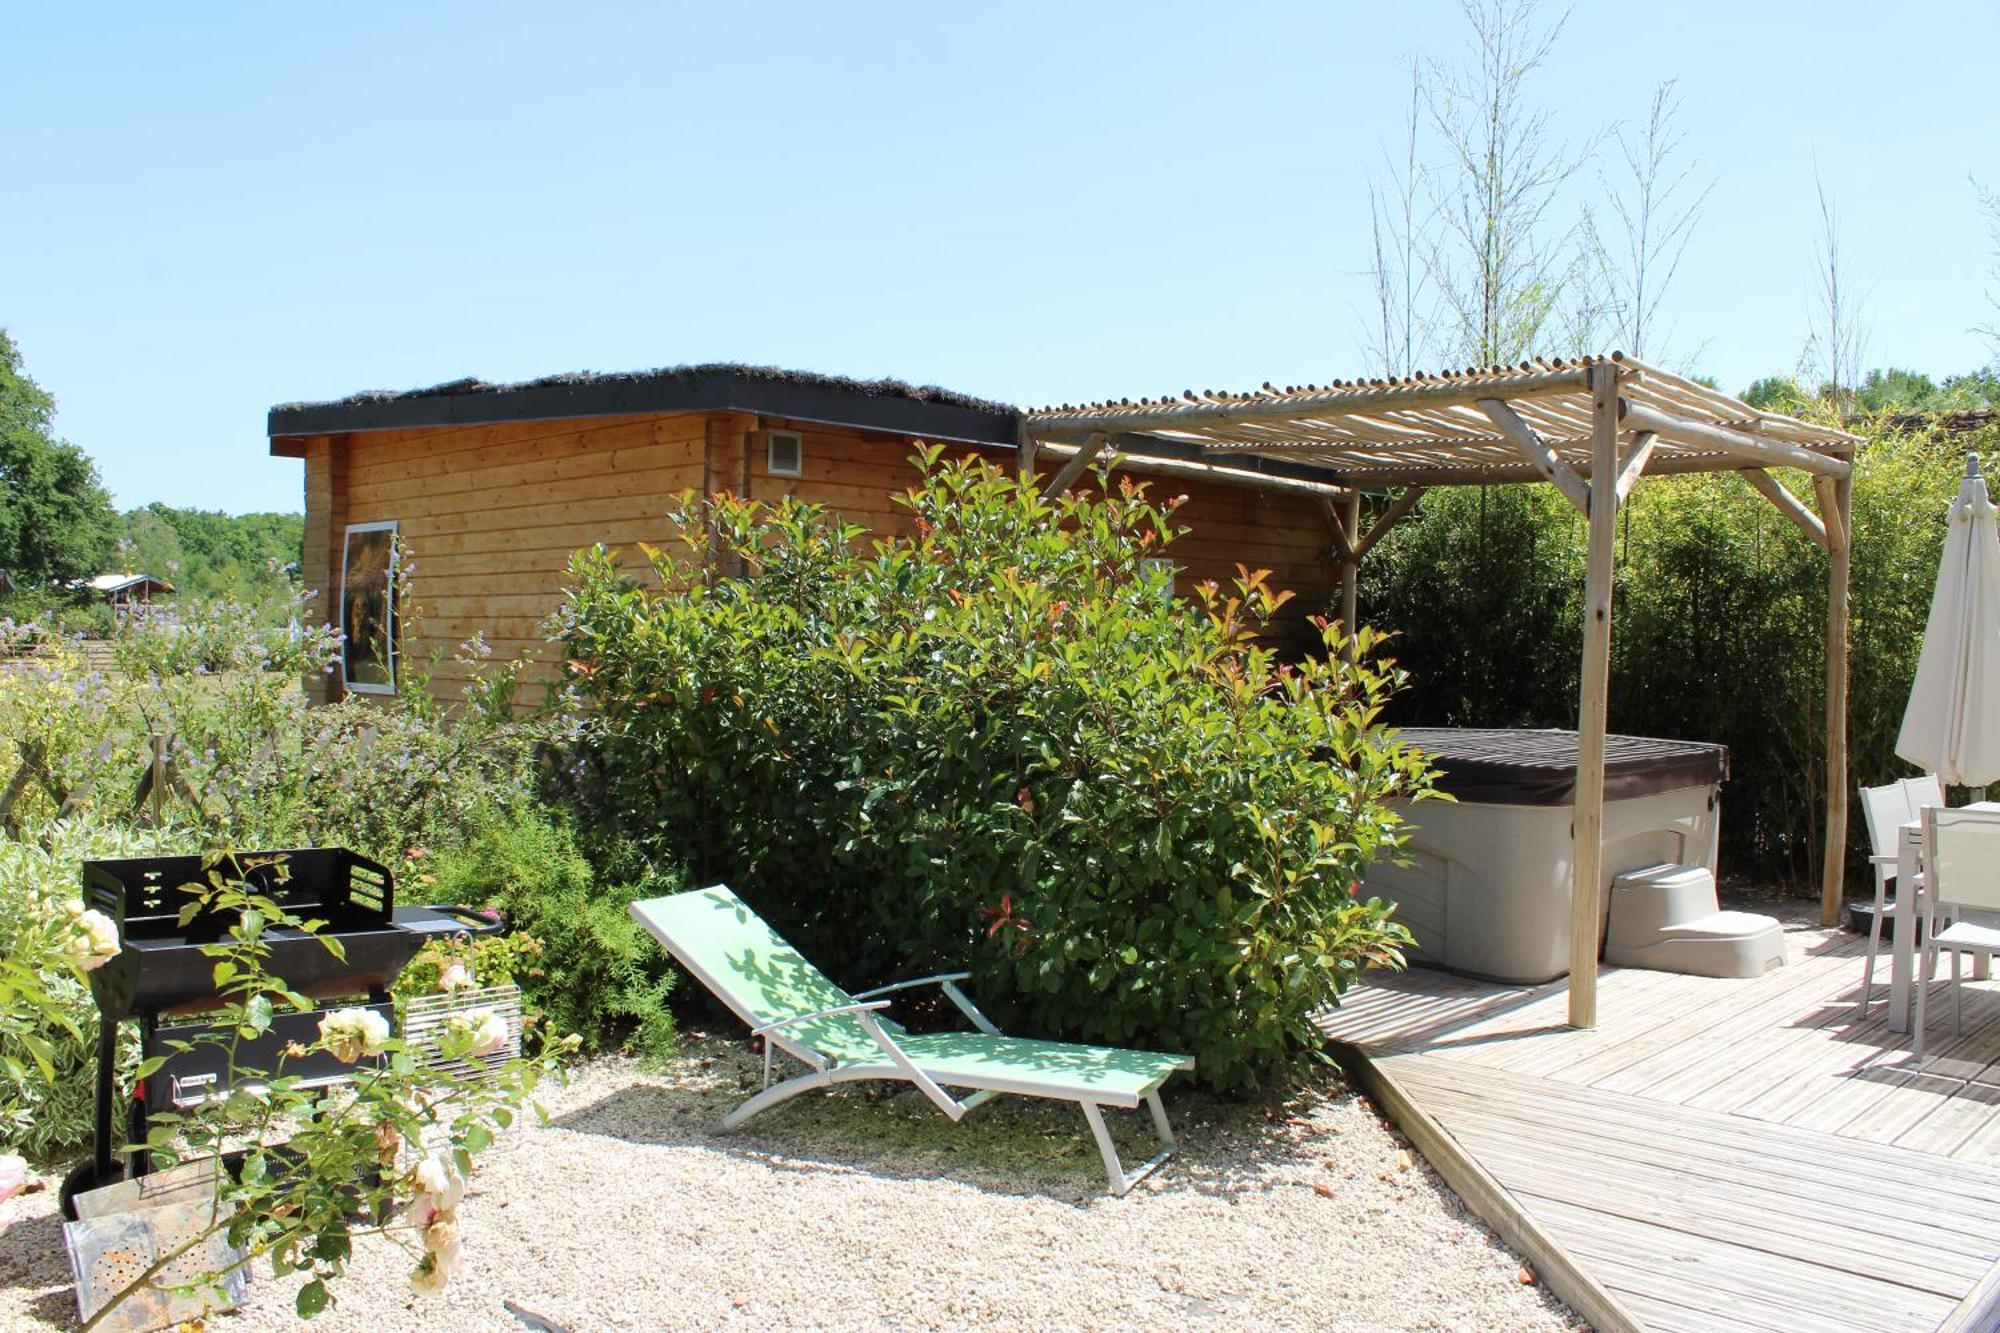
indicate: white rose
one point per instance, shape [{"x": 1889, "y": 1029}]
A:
[
  {"x": 352, "y": 1033},
  {"x": 441, "y": 1235},
  {"x": 436, "y": 1179},
  {"x": 90, "y": 937},
  {"x": 429, "y": 1277},
  {"x": 490, "y": 1035},
  {"x": 455, "y": 976},
  {"x": 482, "y": 1030}
]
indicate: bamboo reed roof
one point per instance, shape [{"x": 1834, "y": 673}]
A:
[{"x": 1430, "y": 429}]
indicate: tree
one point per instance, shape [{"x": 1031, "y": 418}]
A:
[
  {"x": 1498, "y": 271},
  {"x": 1833, "y": 350},
  {"x": 56, "y": 520},
  {"x": 1777, "y": 393},
  {"x": 248, "y": 558},
  {"x": 1657, "y": 206},
  {"x": 1989, "y": 204},
  {"x": 1402, "y": 334}
]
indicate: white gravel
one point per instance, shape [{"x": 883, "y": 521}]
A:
[{"x": 861, "y": 1210}]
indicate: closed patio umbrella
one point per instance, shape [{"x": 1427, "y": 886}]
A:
[{"x": 1952, "y": 726}]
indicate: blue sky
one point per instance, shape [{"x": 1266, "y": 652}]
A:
[{"x": 210, "y": 209}]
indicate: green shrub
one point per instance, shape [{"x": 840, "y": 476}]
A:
[
  {"x": 598, "y": 974},
  {"x": 49, "y": 1119},
  {"x": 1718, "y": 632},
  {"x": 258, "y": 766},
  {"x": 1001, "y": 745}
]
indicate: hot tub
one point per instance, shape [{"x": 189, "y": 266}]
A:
[{"x": 1486, "y": 892}]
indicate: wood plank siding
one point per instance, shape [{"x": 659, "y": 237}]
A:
[{"x": 490, "y": 514}]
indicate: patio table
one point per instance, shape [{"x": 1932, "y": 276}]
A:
[{"x": 1902, "y": 955}]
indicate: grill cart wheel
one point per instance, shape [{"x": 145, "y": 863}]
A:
[{"x": 82, "y": 1179}]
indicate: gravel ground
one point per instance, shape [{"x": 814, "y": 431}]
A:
[{"x": 857, "y": 1209}]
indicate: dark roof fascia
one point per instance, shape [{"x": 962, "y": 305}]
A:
[{"x": 825, "y": 403}]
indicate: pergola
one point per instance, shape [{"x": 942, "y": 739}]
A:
[{"x": 1590, "y": 427}]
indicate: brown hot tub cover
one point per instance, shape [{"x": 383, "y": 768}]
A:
[{"x": 1504, "y": 766}]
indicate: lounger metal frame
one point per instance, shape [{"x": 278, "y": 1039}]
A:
[{"x": 824, "y": 1071}]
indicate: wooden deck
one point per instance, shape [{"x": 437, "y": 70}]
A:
[{"x": 1721, "y": 1154}]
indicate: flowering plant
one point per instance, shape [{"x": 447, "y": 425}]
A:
[
  {"x": 303, "y": 1171},
  {"x": 53, "y": 939}
]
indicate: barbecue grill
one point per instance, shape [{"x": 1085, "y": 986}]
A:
[{"x": 160, "y": 972}]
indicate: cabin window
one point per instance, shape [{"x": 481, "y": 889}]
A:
[
  {"x": 368, "y": 608},
  {"x": 784, "y": 453}
]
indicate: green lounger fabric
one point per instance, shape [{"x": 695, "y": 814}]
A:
[
  {"x": 750, "y": 967},
  {"x": 763, "y": 979},
  {"x": 1093, "y": 1073}
]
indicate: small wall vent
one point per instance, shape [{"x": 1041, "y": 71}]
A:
[{"x": 785, "y": 453}]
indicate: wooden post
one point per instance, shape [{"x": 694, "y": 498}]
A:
[
  {"x": 326, "y": 458},
  {"x": 725, "y": 468},
  {"x": 157, "y": 775},
  {"x": 1592, "y": 714},
  {"x": 1836, "y": 498},
  {"x": 1350, "y": 571},
  {"x": 1025, "y": 451}
]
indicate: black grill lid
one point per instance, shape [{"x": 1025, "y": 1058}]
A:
[{"x": 1505, "y": 766}]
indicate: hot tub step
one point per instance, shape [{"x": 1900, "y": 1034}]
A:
[{"x": 1666, "y": 918}]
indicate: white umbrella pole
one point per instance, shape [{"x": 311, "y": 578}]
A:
[{"x": 1972, "y": 470}]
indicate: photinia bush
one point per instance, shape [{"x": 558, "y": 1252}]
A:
[{"x": 1000, "y": 744}]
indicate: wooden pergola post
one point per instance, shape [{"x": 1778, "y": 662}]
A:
[
  {"x": 1350, "y": 571},
  {"x": 1836, "y": 499},
  {"x": 1593, "y": 704}
]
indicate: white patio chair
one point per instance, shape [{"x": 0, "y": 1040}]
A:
[
  {"x": 1962, "y": 849},
  {"x": 1885, "y": 809},
  {"x": 1922, "y": 793}
]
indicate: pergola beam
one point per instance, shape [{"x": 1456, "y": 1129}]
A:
[
  {"x": 1334, "y": 511},
  {"x": 1350, "y": 400},
  {"x": 1077, "y": 463},
  {"x": 1398, "y": 510},
  {"x": 1764, "y": 453},
  {"x": 1788, "y": 504},
  {"x": 1545, "y": 460},
  {"x": 1387, "y": 476},
  {"x": 1634, "y": 466},
  {"x": 1219, "y": 473}
]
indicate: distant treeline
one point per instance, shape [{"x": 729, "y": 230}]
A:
[{"x": 206, "y": 554}]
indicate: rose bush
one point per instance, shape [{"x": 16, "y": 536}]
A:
[{"x": 386, "y": 1153}]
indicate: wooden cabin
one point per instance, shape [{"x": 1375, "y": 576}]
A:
[
  {"x": 122, "y": 592},
  {"x": 486, "y": 490}
]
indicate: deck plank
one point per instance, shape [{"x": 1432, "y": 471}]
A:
[{"x": 1721, "y": 1154}]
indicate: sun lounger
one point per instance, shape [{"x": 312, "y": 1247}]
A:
[{"x": 844, "y": 1038}]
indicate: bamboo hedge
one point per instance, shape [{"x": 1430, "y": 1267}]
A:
[{"x": 1718, "y": 630}]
